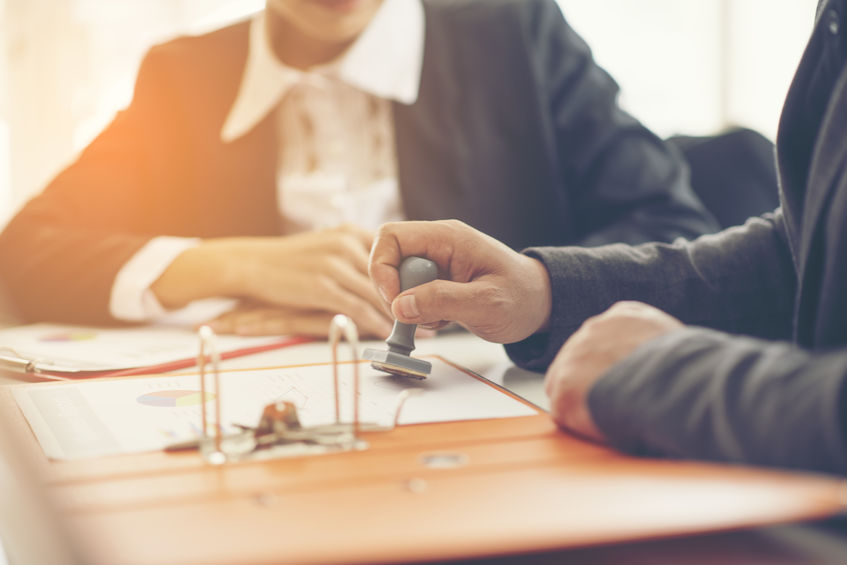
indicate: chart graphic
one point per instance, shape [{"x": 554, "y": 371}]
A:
[
  {"x": 68, "y": 336},
  {"x": 173, "y": 398}
]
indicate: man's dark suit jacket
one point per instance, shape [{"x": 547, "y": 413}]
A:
[
  {"x": 705, "y": 394},
  {"x": 516, "y": 131}
]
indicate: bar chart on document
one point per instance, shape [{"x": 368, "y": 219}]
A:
[{"x": 126, "y": 415}]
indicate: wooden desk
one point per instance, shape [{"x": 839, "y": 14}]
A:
[{"x": 525, "y": 487}]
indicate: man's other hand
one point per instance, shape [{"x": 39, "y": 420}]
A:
[{"x": 591, "y": 351}]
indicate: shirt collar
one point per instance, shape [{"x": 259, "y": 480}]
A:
[{"x": 384, "y": 61}]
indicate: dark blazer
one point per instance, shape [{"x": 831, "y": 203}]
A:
[
  {"x": 732, "y": 172},
  {"x": 778, "y": 395},
  {"x": 516, "y": 131}
]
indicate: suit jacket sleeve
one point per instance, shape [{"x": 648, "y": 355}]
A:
[
  {"x": 740, "y": 280},
  {"x": 61, "y": 253},
  {"x": 627, "y": 184},
  {"x": 697, "y": 393}
]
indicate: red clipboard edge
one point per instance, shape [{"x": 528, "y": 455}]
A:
[{"x": 171, "y": 365}]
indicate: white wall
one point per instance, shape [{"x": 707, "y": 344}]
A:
[
  {"x": 697, "y": 66},
  {"x": 763, "y": 54}
]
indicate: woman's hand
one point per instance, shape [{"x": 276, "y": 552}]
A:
[{"x": 306, "y": 278}]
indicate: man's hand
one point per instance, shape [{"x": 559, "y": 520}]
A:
[
  {"x": 311, "y": 275},
  {"x": 496, "y": 293},
  {"x": 599, "y": 344}
]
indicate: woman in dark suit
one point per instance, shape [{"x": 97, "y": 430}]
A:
[{"x": 254, "y": 161}]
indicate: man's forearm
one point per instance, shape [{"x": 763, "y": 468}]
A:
[
  {"x": 697, "y": 393},
  {"x": 740, "y": 280}
]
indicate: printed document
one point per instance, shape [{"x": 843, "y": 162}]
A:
[{"x": 132, "y": 414}]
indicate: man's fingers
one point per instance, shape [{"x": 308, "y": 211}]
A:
[
  {"x": 383, "y": 263},
  {"x": 397, "y": 240},
  {"x": 567, "y": 401},
  {"x": 441, "y": 300}
]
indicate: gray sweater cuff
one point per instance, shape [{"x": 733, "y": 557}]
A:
[{"x": 576, "y": 297}]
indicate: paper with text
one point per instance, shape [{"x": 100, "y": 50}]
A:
[{"x": 110, "y": 417}]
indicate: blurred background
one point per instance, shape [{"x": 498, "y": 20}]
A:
[{"x": 685, "y": 66}]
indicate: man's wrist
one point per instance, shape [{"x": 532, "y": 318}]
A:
[{"x": 544, "y": 294}]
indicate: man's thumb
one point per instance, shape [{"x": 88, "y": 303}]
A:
[{"x": 435, "y": 301}]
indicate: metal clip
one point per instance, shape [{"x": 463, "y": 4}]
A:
[
  {"x": 279, "y": 432},
  {"x": 209, "y": 349}
]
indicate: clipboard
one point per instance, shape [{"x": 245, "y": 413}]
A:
[{"x": 63, "y": 352}]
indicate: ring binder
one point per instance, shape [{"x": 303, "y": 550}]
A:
[{"x": 279, "y": 432}]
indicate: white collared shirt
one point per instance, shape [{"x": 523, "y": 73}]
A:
[{"x": 337, "y": 160}]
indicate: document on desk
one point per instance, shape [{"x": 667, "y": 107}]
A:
[
  {"x": 109, "y": 417},
  {"x": 69, "y": 350}
]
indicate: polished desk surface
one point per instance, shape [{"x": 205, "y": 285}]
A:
[{"x": 818, "y": 542}]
